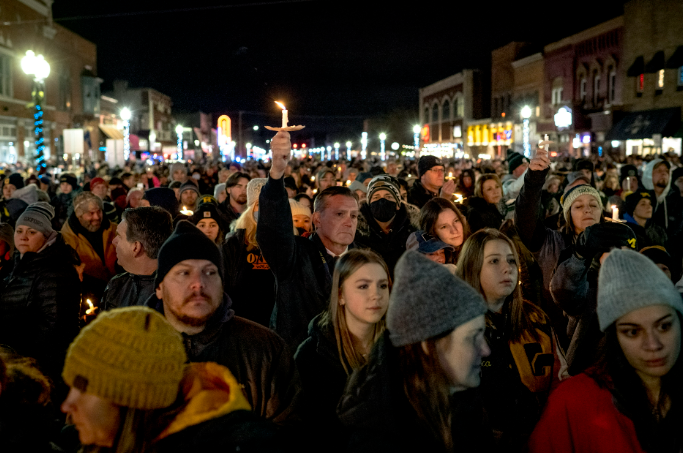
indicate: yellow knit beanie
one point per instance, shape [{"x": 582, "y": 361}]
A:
[{"x": 130, "y": 356}]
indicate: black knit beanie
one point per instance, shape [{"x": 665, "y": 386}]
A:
[
  {"x": 186, "y": 243},
  {"x": 16, "y": 180}
]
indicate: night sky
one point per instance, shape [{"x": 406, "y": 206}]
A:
[{"x": 332, "y": 63}]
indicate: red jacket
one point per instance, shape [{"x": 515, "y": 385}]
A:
[{"x": 581, "y": 417}]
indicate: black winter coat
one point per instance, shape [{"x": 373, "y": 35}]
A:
[
  {"x": 40, "y": 304},
  {"x": 482, "y": 214},
  {"x": 379, "y": 416},
  {"x": 257, "y": 357},
  {"x": 248, "y": 280},
  {"x": 128, "y": 290},
  {"x": 322, "y": 384},
  {"x": 389, "y": 246},
  {"x": 302, "y": 267},
  {"x": 419, "y": 196}
]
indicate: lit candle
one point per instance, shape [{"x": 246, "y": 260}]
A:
[
  {"x": 615, "y": 213},
  {"x": 312, "y": 178},
  {"x": 450, "y": 175},
  {"x": 285, "y": 118},
  {"x": 348, "y": 182},
  {"x": 186, "y": 211}
]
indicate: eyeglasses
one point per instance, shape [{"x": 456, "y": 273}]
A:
[{"x": 438, "y": 170}]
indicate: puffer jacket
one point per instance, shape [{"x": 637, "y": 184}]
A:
[
  {"x": 322, "y": 379},
  {"x": 95, "y": 267},
  {"x": 215, "y": 416},
  {"x": 40, "y": 304},
  {"x": 379, "y": 416},
  {"x": 127, "y": 290},
  {"x": 257, "y": 357},
  {"x": 390, "y": 246}
]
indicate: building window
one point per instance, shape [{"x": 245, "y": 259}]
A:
[
  {"x": 582, "y": 88},
  {"x": 458, "y": 108},
  {"x": 660, "y": 80},
  {"x": 435, "y": 113},
  {"x": 446, "y": 110},
  {"x": 556, "y": 95},
  {"x": 611, "y": 88},
  {"x": 426, "y": 118},
  {"x": 596, "y": 88},
  {"x": 5, "y": 75}
]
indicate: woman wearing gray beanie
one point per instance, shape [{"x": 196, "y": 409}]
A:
[
  {"x": 632, "y": 399},
  {"x": 40, "y": 303},
  {"x": 417, "y": 392},
  {"x": 525, "y": 362}
]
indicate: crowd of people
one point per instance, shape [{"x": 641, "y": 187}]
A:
[{"x": 296, "y": 305}]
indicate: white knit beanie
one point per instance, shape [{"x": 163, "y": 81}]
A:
[
  {"x": 629, "y": 281},
  {"x": 254, "y": 190},
  {"x": 299, "y": 208}
]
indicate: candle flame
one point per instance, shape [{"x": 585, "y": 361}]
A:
[
  {"x": 281, "y": 105},
  {"x": 91, "y": 308},
  {"x": 614, "y": 207},
  {"x": 186, "y": 211},
  {"x": 348, "y": 182}
]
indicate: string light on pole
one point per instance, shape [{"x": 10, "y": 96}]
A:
[
  {"x": 179, "y": 133},
  {"x": 382, "y": 139},
  {"x": 364, "y": 144},
  {"x": 416, "y": 135},
  {"x": 348, "y": 150},
  {"x": 39, "y": 69},
  {"x": 336, "y": 151},
  {"x": 526, "y": 114},
  {"x": 125, "y": 116}
]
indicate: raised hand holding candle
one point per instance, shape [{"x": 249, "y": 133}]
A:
[
  {"x": 285, "y": 121},
  {"x": 285, "y": 118}
]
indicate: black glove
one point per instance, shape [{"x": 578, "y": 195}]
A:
[{"x": 603, "y": 237}]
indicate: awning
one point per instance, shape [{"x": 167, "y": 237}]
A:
[
  {"x": 645, "y": 124},
  {"x": 111, "y": 132},
  {"x": 676, "y": 60},
  {"x": 656, "y": 63},
  {"x": 637, "y": 68}
]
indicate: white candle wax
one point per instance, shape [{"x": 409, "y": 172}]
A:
[
  {"x": 615, "y": 213},
  {"x": 285, "y": 119}
]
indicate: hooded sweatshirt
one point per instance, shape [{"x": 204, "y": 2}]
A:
[{"x": 661, "y": 217}]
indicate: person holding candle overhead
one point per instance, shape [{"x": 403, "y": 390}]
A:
[{"x": 40, "y": 301}]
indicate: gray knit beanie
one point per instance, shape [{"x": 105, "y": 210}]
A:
[
  {"x": 39, "y": 217},
  {"x": 254, "y": 190},
  {"x": 629, "y": 281},
  {"x": 427, "y": 301}
]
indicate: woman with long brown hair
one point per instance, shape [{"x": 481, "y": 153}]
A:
[
  {"x": 441, "y": 218},
  {"x": 487, "y": 208},
  {"x": 340, "y": 339},
  {"x": 414, "y": 393},
  {"x": 525, "y": 362}
]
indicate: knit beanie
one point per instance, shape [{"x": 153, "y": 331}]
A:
[
  {"x": 130, "y": 356},
  {"x": 189, "y": 185},
  {"x": 385, "y": 182},
  {"x": 515, "y": 160},
  {"x": 357, "y": 185},
  {"x": 426, "y": 163},
  {"x": 39, "y": 217},
  {"x": 186, "y": 243},
  {"x": 627, "y": 171},
  {"x": 629, "y": 281},
  {"x": 220, "y": 188},
  {"x": 178, "y": 167},
  {"x": 427, "y": 301},
  {"x": 96, "y": 181},
  {"x": 16, "y": 180},
  {"x": 362, "y": 176},
  {"x": 573, "y": 176},
  {"x": 164, "y": 198},
  {"x": 658, "y": 255},
  {"x": 576, "y": 192},
  {"x": 69, "y": 179},
  {"x": 254, "y": 190},
  {"x": 634, "y": 198},
  {"x": 299, "y": 208},
  {"x": 207, "y": 209}
]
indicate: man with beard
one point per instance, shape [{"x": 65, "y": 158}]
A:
[
  {"x": 236, "y": 202},
  {"x": 91, "y": 234},
  {"x": 667, "y": 206},
  {"x": 189, "y": 293}
]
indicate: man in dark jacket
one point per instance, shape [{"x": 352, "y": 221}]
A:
[
  {"x": 303, "y": 267},
  {"x": 387, "y": 220},
  {"x": 431, "y": 182},
  {"x": 236, "y": 202},
  {"x": 138, "y": 239},
  {"x": 189, "y": 292}
]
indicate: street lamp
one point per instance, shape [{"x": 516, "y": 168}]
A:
[
  {"x": 364, "y": 144},
  {"x": 39, "y": 69},
  {"x": 329, "y": 153},
  {"x": 348, "y": 150},
  {"x": 526, "y": 114},
  {"x": 382, "y": 138},
  {"x": 125, "y": 116},
  {"x": 336, "y": 151},
  {"x": 179, "y": 133}
]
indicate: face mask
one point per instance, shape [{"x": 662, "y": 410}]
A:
[
  {"x": 196, "y": 176},
  {"x": 383, "y": 209}
]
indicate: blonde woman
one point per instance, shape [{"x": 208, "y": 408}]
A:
[
  {"x": 248, "y": 279},
  {"x": 341, "y": 338}
]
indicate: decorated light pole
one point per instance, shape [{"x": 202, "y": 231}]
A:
[
  {"x": 348, "y": 150},
  {"x": 526, "y": 114},
  {"x": 382, "y": 148},
  {"x": 125, "y": 116},
  {"x": 39, "y": 69},
  {"x": 179, "y": 133}
]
